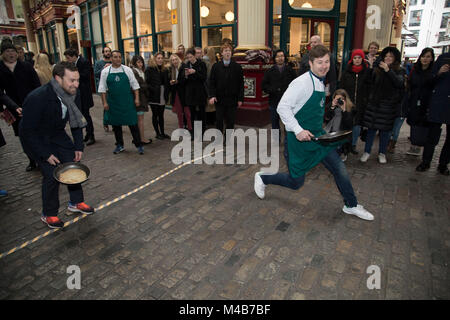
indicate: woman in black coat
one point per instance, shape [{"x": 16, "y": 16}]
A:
[
  {"x": 354, "y": 81},
  {"x": 193, "y": 78},
  {"x": 158, "y": 93},
  {"x": 385, "y": 96}
]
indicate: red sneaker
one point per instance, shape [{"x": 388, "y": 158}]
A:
[
  {"x": 81, "y": 207},
  {"x": 52, "y": 222}
]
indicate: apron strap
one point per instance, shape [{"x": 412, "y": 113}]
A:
[{"x": 314, "y": 85}]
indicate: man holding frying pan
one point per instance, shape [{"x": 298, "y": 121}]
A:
[
  {"x": 46, "y": 112},
  {"x": 302, "y": 109}
]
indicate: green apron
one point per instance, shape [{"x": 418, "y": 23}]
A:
[
  {"x": 303, "y": 156},
  {"x": 122, "y": 111}
]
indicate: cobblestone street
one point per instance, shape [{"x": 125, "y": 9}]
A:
[{"x": 201, "y": 232}]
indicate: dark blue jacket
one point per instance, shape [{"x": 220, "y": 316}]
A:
[
  {"x": 42, "y": 129},
  {"x": 440, "y": 98},
  {"x": 85, "y": 70}
]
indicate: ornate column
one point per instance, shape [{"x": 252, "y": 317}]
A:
[
  {"x": 182, "y": 31},
  {"x": 61, "y": 43},
  {"x": 32, "y": 46},
  {"x": 113, "y": 24}
]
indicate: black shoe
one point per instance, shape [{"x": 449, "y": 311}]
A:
[
  {"x": 31, "y": 167},
  {"x": 86, "y": 139},
  {"x": 443, "y": 170},
  {"x": 423, "y": 167},
  {"x": 160, "y": 137},
  {"x": 353, "y": 150},
  {"x": 165, "y": 136},
  {"x": 90, "y": 142},
  {"x": 145, "y": 143}
]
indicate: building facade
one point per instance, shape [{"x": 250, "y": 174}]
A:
[
  {"x": 12, "y": 23},
  {"x": 428, "y": 21}
]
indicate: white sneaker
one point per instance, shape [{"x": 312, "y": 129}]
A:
[
  {"x": 382, "y": 158},
  {"x": 365, "y": 157},
  {"x": 259, "y": 186},
  {"x": 359, "y": 211}
]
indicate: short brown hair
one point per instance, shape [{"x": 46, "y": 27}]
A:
[
  {"x": 225, "y": 46},
  {"x": 318, "y": 51},
  {"x": 60, "y": 68},
  {"x": 374, "y": 43}
]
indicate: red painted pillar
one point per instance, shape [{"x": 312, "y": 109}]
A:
[{"x": 360, "y": 24}]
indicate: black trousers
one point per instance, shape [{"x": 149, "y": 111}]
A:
[
  {"x": 118, "y": 134},
  {"x": 90, "y": 124},
  {"x": 432, "y": 141},
  {"x": 225, "y": 112},
  {"x": 158, "y": 118},
  {"x": 50, "y": 187},
  {"x": 198, "y": 113}
]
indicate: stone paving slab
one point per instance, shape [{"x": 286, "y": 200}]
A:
[{"x": 201, "y": 233}]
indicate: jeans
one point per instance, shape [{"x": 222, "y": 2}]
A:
[
  {"x": 355, "y": 135},
  {"x": 397, "y": 126},
  {"x": 384, "y": 140},
  {"x": 334, "y": 164}
]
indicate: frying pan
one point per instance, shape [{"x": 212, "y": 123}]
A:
[
  {"x": 70, "y": 165},
  {"x": 333, "y": 136}
]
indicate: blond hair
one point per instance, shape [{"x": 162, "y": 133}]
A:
[
  {"x": 348, "y": 102},
  {"x": 152, "y": 61},
  {"x": 43, "y": 68}
]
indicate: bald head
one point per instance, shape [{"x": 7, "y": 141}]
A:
[{"x": 315, "y": 41}]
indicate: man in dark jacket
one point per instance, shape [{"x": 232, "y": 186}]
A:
[
  {"x": 439, "y": 114},
  {"x": 45, "y": 115},
  {"x": 226, "y": 88},
  {"x": 17, "y": 79},
  {"x": 275, "y": 82},
  {"x": 85, "y": 69}
]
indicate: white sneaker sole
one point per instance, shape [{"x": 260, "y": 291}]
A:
[
  {"x": 345, "y": 210},
  {"x": 257, "y": 176}
]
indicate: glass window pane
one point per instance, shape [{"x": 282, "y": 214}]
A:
[
  {"x": 143, "y": 17},
  {"x": 214, "y": 12},
  {"x": 128, "y": 48},
  {"x": 165, "y": 43},
  {"x": 97, "y": 33},
  {"x": 444, "y": 20},
  {"x": 276, "y": 37},
  {"x": 18, "y": 11},
  {"x": 415, "y": 18},
  {"x": 343, "y": 15},
  {"x": 312, "y": 4},
  {"x": 98, "y": 52},
  {"x": 106, "y": 26},
  {"x": 145, "y": 48},
  {"x": 86, "y": 34},
  {"x": 163, "y": 20},
  {"x": 277, "y": 11},
  {"x": 213, "y": 37},
  {"x": 126, "y": 18}
]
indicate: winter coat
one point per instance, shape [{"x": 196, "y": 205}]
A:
[
  {"x": 419, "y": 88},
  {"x": 143, "y": 92},
  {"x": 226, "y": 83},
  {"x": 385, "y": 96},
  {"x": 195, "y": 84},
  {"x": 177, "y": 88},
  {"x": 85, "y": 70},
  {"x": 357, "y": 86},
  {"x": 156, "y": 78},
  {"x": 440, "y": 97},
  {"x": 275, "y": 83}
]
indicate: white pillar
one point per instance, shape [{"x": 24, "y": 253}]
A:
[
  {"x": 251, "y": 24},
  {"x": 182, "y": 31},
  {"x": 113, "y": 25},
  {"x": 61, "y": 43}
]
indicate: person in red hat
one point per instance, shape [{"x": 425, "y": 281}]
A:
[{"x": 354, "y": 81}]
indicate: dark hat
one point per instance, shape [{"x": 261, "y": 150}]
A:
[
  {"x": 7, "y": 45},
  {"x": 394, "y": 51}
]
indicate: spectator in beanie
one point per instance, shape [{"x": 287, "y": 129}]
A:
[
  {"x": 17, "y": 79},
  {"x": 354, "y": 81},
  {"x": 385, "y": 95}
]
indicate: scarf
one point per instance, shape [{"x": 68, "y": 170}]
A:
[
  {"x": 76, "y": 119},
  {"x": 357, "y": 69}
]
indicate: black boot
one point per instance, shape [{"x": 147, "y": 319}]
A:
[
  {"x": 423, "y": 167},
  {"x": 31, "y": 166},
  {"x": 90, "y": 141},
  {"x": 353, "y": 150},
  {"x": 443, "y": 170}
]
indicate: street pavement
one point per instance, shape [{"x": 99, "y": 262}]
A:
[{"x": 200, "y": 232}]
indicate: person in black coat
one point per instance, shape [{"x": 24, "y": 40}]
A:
[
  {"x": 385, "y": 96},
  {"x": 156, "y": 76},
  {"x": 87, "y": 102},
  {"x": 419, "y": 88},
  {"x": 193, "y": 78},
  {"x": 17, "y": 79},
  {"x": 226, "y": 88},
  {"x": 354, "y": 81},
  {"x": 439, "y": 114},
  {"x": 275, "y": 82},
  {"x": 43, "y": 135}
]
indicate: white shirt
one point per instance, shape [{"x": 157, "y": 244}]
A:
[
  {"x": 299, "y": 92},
  {"x": 103, "y": 87},
  {"x": 64, "y": 108}
]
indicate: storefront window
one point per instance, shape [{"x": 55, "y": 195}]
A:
[
  {"x": 216, "y": 12},
  {"x": 98, "y": 52},
  {"x": 277, "y": 11},
  {"x": 107, "y": 37},
  {"x": 143, "y": 17},
  {"x": 126, "y": 18},
  {"x": 165, "y": 42},
  {"x": 213, "y": 37},
  {"x": 128, "y": 48},
  {"x": 163, "y": 20},
  {"x": 312, "y": 4},
  {"x": 276, "y": 37},
  {"x": 343, "y": 15},
  {"x": 145, "y": 48},
  {"x": 415, "y": 18}
]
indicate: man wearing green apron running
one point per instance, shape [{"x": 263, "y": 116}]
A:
[
  {"x": 116, "y": 85},
  {"x": 302, "y": 109}
]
